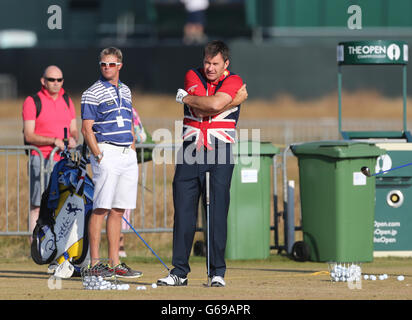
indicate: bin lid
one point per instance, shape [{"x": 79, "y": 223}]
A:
[
  {"x": 255, "y": 148},
  {"x": 340, "y": 149}
]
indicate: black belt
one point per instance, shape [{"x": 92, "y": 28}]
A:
[{"x": 115, "y": 144}]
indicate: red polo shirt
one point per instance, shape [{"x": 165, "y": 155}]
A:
[
  {"x": 194, "y": 86},
  {"x": 53, "y": 118}
]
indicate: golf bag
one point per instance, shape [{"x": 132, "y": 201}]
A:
[{"x": 61, "y": 232}]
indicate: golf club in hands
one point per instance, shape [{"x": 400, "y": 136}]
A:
[{"x": 366, "y": 171}]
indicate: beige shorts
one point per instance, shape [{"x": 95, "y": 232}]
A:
[{"x": 115, "y": 178}]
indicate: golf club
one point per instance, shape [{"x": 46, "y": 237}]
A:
[
  {"x": 366, "y": 171},
  {"x": 208, "y": 225},
  {"x": 66, "y": 152},
  {"x": 146, "y": 244}
]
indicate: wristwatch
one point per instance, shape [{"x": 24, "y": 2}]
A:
[{"x": 98, "y": 157}]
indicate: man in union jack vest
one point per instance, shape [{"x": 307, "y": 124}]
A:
[{"x": 211, "y": 98}]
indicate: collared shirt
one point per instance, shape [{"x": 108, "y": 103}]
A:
[
  {"x": 53, "y": 118},
  {"x": 218, "y": 128},
  {"x": 195, "y": 86},
  {"x": 111, "y": 109}
]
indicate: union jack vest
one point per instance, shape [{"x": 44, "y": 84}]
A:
[{"x": 208, "y": 131}]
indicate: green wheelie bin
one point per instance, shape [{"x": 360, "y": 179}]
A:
[
  {"x": 337, "y": 199},
  {"x": 248, "y": 234}
]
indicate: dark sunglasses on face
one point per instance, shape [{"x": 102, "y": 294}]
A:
[
  {"x": 54, "y": 79},
  {"x": 109, "y": 64}
]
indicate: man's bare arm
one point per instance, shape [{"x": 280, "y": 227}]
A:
[
  {"x": 240, "y": 97},
  {"x": 89, "y": 136},
  {"x": 208, "y": 104},
  {"x": 74, "y": 134},
  {"x": 33, "y": 138}
]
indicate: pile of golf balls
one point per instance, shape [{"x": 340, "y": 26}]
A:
[
  {"x": 98, "y": 283},
  {"x": 345, "y": 273}
]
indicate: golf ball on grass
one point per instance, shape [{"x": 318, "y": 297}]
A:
[
  {"x": 122, "y": 286},
  {"x": 140, "y": 288}
]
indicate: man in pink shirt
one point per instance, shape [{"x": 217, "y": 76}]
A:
[{"x": 46, "y": 130}]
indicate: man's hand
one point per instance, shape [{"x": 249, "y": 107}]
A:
[
  {"x": 240, "y": 97},
  {"x": 89, "y": 137},
  {"x": 59, "y": 143},
  {"x": 72, "y": 143},
  {"x": 200, "y": 114},
  {"x": 180, "y": 95}
]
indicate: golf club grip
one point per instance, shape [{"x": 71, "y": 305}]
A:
[
  {"x": 207, "y": 187},
  {"x": 84, "y": 149},
  {"x": 66, "y": 140}
]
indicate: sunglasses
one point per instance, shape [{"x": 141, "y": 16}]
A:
[
  {"x": 109, "y": 64},
  {"x": 54, "y": 79}
]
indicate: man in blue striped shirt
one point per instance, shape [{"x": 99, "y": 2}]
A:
[{"x": 107, "y": 127}]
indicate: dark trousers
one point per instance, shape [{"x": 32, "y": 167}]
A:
[{"x": 189, "y": 184}]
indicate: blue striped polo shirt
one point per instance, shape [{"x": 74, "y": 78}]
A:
[{"x": 111, "y": 109}]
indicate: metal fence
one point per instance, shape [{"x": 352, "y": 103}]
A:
[
  {"x": 154, "y": 208},
  {"x": 13, "y": 188}
]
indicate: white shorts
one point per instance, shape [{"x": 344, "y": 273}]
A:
[{"x": 115, "y": 178}]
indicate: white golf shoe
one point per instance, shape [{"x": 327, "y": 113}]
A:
[
  {"x": 217, "y": 281},
  {"x": 172, "y": 280}
]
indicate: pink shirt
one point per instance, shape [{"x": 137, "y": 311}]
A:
[{"x": 53, "y": 118}]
